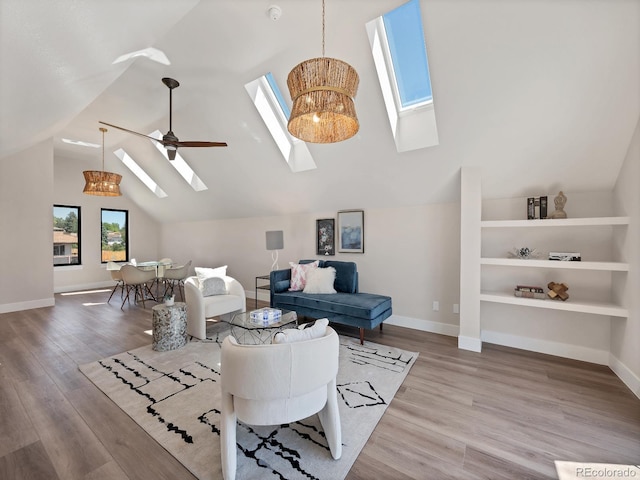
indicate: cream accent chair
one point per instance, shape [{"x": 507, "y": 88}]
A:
[
  {"x": 199, "y": 308},
  {"x": 275, "y": 384}
]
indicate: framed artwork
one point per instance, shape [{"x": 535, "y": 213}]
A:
[
  {"x": 325, "y": 236},
  {"x": 351, "y": 231}
]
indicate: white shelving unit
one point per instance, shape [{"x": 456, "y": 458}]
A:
[
  {"x": 488, "y": 307},
  {"x": 596, "y": 308}
]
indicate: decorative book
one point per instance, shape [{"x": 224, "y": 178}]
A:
[
  {"x": 519, "y": 293},
  {"x": 266, "y": 316},
  {"x": 565, "y": 256},
  {"x": 528, "y": 291}
]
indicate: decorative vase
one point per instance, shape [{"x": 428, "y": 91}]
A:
[{"x": 168, "y": 301}]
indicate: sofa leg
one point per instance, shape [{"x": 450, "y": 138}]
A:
[
  {"x": 381, "y": 327},
  {"x": 362, "y": 336}
]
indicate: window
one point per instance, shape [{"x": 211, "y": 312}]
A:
[
  {"x": 115, "y": 235},
  {"x": 269, "y": 102},
  {"x": 66, "y": 235},
  {"x": 399, "y": 52},
  {"x": 139, "y": 172},
  {"x": 405, "y": 39}
]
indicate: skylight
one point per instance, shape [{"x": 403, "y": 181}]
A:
[
  {"x": 80, "y": 143},
  {"x": 278, "y": 94},
  {"x": 268, "y": 99},
  {"x": 405, "y": 37},
  {"x": 399, "y": 52},
  {"x": 180, "y": 165},
  {"x": 140, "y": 173},
  {"x": 150, "y": 53}
]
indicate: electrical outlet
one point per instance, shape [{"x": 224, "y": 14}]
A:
[
  {"x": 456, "y": 308},
  {"x": 436, "y": 306}
]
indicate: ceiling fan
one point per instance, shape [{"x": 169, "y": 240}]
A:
[{"x": 169, "y": 140}]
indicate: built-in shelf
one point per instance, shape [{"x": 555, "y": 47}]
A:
[
  {"x": 570, "y": 305},
  {"x": 517, "y": 262},
  {"x": 557, "y": 222}
]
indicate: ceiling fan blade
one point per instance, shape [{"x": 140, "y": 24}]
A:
[
  {"x": 201, "y": 144},
  {"x": 131, "y": 131}
]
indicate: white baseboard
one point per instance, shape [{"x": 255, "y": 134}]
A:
[
  {"x": 625, "y": 374},
  {"x": 85, "y": 286},
  {"x": 575, "y": 352},
  {"x": 469, "y": 343},
  {"x": 424, "y": 325},
  {"x": 28, "y": 305}
]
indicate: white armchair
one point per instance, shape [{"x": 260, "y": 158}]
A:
[
  {"x": 275, "y": 384},
  {"x": 199, "y": 307}
]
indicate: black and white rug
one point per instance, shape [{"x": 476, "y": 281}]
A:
[{"x": 175, "y": 397}]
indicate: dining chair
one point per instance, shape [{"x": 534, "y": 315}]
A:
[
  {"x": 136, "y": 280},
  {"x": 175, "y": 277},
  {"x": 116, "y": 275}
]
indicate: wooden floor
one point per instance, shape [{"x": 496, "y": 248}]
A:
[{"x": 501, "y": 414}]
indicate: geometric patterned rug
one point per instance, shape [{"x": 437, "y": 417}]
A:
[{"x": 175, "y": 397}]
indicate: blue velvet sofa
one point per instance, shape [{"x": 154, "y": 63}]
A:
[{"x": 347, "y": 306}]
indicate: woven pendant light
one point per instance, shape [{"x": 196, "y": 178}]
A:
[
  {"x": 99, "y": 182},
  {"x": 322, "y": 90}
]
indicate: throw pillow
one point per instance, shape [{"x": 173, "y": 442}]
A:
[
  {"x": 299, "y": 273},
  {"x": 213, "y": 286},
  {"x": 291, "y": 335},
  {"x": 204, "y": 273},
  {"x": 321, "y": 281}
]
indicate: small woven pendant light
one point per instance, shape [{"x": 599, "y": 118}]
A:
[
  {"x": 99, "y": 182},
  {"x": 322, "y": 90}
]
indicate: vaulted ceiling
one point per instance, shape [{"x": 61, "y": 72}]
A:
[{"x": 541, "y": 95}]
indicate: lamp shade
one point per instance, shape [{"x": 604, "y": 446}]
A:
[
  {"x": 101, "y": 183},
  {"x": 275, "y": 240},
  {"x": 322, "y": 90}
]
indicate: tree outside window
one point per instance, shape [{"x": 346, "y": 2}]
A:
[
  {"x": 114, "y": 235},
  {"x": 66, "y": 235}
]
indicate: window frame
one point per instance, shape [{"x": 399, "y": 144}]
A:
[
  {"x": 126, "y": 229},
  {"x": 79, "y": 235}
]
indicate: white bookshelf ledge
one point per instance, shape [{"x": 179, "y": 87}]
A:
[{"x": 595, "y": 308}]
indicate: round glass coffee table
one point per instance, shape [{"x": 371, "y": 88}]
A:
[{"x": 247, "y": 332}]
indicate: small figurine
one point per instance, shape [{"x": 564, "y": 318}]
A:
[
  {"x": 559, "y": 202},
  {"x": 557, "y": 290}
]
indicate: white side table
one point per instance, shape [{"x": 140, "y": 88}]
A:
[{"x": 169, "y": 326}]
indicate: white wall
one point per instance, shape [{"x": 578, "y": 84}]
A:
[
  {"x": 411, "y": 254},
  {"x": 144, "y": 232},
  {"x": 625, "y": 335},
  {"x": 26, "y": 253}
]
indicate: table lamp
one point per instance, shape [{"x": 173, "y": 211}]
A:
[{"x": 275, "y": 242}]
